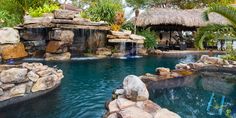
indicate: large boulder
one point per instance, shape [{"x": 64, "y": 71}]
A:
[
  {"x": 135, "y": 89},
  {"x": 14, "y": 51},
  {"x": 58, "y": 57},
  {"x": 45, "y": 83},
  {"x": 56, "y": 47},
  {"x": 64, "y": 14},
  {"x": 18, "y": 90},
  {"x": 148, "y": 106},
  {"x": 14, "y": 75},
  {"x": 104, "y": 51},
  {"x": 7, "y": 86},
  {"x": 9, "y": 36},
  {"x": 45, "y": 19},
  {"x": 62, "y": 35},
  {"x": 162, "y": 71},
  {"x": 32, "y": 76},
  {"x": 211, "y": 60},
  {"x": 133, "y": 112}
]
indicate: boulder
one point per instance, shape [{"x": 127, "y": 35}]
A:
[
  {"x": 58, "y": 57},
  {"x": 133, "y": 112},
  {"x": 14, "y": 75},
  {"x": 118, "y": 33},
  {"x": 9, "y": 36},
  {"x": 46, "y": 19},
  {"x": 45, "y": 83},
  {"x": 162, "y": 71},
  {"x": 18, "y": 90},
  {"x": 155, "y": 52},
  {"x": 28, "y": 86},
  {"x": 123, "y": 103},
  {"x": 196, "y": 65},
  {"x": 103, "y": 51},
  {"x": 211, "y": 60},
  {"x": 6, "y": 86},
  {"x": 148, "y": 106},
  {"x": 135, "y": 89},
  {"x": 64, "y": 14},
  {"x": 32, "y": 76},
  {"x": 136, "y": 37},
  {"x": 62, "y": 35},
  {"x": 165, "y": 113},
  {"x": 112, "y": 107},
  {"x": 56, "y": 47},
  {"x": 113, "y": 115},
  {"x": 119, "y": 91},
  {"x": 182, "y": 66},
  {"x": 117, "y": 37},
  {"x": 1, "y": 92},
  {"x": 14, "y": 51},
  {"x": 142, "y": 51}
]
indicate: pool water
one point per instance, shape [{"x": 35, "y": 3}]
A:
[
  {"x": 208, "y": 95},
  {"x": 88, "y": 84}
]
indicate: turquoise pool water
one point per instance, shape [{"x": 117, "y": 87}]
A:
[
  {"x": 86, "y": 87},
  {"x": 208, "y": 95}
]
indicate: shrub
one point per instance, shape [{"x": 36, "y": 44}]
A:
[
  {"x": 103, "y": 10},
  {"x": 128, "y": 26},
  {"x": 8, "y": 20},
  {"x": 150, "y": 41},
  {"x": 231, "y": 53},
  {"x": 37, "y": 12}
]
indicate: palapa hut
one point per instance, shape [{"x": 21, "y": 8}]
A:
[
  {"x": 177, "y": 19},
  {"x": 169, "y": 21}
]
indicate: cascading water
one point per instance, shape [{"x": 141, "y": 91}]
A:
[{"x": 123, "y": 47}]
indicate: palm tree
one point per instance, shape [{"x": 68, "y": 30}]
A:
[
  {"x": 213, "y": 31},
  {"x": 137, "y": 4}
]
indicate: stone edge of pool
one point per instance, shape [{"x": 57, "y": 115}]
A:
[
  {"x": 26, "y": 81},
  {"x": 125, "y": 102}
]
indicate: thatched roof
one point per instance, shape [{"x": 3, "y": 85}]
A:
[{"x": 186, "y": 18}]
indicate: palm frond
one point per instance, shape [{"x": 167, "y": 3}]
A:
[{"x": 227, "y": 11}]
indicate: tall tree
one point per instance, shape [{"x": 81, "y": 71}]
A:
[{"x": 137, "y": 5}]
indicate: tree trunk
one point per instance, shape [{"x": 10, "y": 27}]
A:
[{"x": 135, "y": 21}]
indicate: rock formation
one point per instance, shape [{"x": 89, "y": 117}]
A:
[
  {"x": 27, "y": 78},
  {"x": 10, "y": 46},
  {"x": 132, "y": 102}
]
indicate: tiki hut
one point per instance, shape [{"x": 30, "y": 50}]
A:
[
  {"x": 171, "y": 22},
  {"x": 176, "y": 19}
]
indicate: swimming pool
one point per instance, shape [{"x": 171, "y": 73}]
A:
[{"x": 86, "y": 87}]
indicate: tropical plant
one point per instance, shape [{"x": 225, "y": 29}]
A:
[
  {"x": 8, "y": 20},
  {"x": 231, "y": 53},
  {"x": 213, "y": 32},
  {"x": 217, "y": 31},
  {"x": 17, "y": 9},
  {"x": 128, "y": 26},
  {"x": 150, "y": 38},
  {"x": 39, "y": 11},
  {"x": 103, "y": 10}
]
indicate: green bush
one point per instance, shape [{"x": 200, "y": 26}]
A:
[
  {"x": 150, "y": 41},
  {"x": 37, "y": 12},
  {"x": 128, "y": 26},
  {"x": 230, "y": 53},
  {"x": 8, "y": 20},
  {"x": 103, "y": 10},
  {"x": 12, "y": 11}
]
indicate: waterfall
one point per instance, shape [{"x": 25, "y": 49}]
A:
[{"x": 123, "y": 47}]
